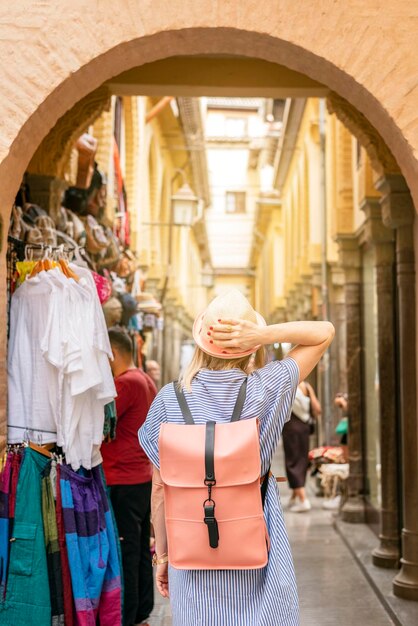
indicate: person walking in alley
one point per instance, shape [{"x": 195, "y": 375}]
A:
[
  {"x": 227, "y": 334},
  {"x": 296, "y": 444},
  {"x": 128, "y": 473}
]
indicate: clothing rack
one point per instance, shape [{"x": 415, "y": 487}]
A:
[
  {"x": 42, "y": 246},
  {"x": 16, "y": 251},
  {"x": 36, "y": 430}
]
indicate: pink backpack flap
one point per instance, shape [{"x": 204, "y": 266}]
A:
[{"x": 213, "y": 502}]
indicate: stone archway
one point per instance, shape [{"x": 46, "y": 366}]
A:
[{"x": 319, "y": 45}]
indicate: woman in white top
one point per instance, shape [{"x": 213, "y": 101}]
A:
[{"x": 296, "y": 444}]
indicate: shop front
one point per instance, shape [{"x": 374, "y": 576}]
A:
[{"x": 71, "y": 275}]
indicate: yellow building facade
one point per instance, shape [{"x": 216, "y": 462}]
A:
[
  {"x": 324, "y": 250},
  {"x": 155, "y": 163}
]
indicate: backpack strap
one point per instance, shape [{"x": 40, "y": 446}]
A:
[
  {"x": 240, "y": 401},
  {"x": 210, "y": 453},
  {"x": 187, "y": 416},
  {"x": 264, "y": 484},
  {"x": 210, "y": 481}
]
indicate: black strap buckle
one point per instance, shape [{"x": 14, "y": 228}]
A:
[{"x": 211, "y": 523}]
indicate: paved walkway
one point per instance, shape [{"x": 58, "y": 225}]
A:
[{"x": 332, "y": 589}]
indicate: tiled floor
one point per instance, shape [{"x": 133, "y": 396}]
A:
[{"x": 332, "y": 589}]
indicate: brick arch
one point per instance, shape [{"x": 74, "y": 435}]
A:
[{"x": 28, "y": 125}]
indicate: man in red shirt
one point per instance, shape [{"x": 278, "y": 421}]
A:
[{"x": 128, "y": 474}]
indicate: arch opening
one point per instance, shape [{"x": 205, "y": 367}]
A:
[{"x": 191, "y": 42}]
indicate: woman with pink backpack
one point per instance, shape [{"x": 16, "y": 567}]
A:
[{"x": 222, "y": 552}]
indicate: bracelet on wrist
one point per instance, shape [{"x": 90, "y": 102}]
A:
[{"x": 159, "y": 560}]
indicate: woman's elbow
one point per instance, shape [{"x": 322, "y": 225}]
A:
[{"x": 329, "y": 329}]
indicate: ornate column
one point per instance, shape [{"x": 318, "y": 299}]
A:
[
  {"x": 398, "y": 212},
  {"x": 381, "y": 239},
  {"x": 338, "y": 347},
  {"x": 353, "y": 509}
]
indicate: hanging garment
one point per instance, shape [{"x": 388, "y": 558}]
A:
[
  {"x": 89, "y": 385},
  {"x": 116, "y": 534},
  {"x": 110, "y": 609},
  {"x": 69, "y": 610},
  {"x": 59, "y": 373},
  {"x": 33, "y": 381},
  {"x": 16, "y": 463},
  {"x": 27, "y": 595},
  {"x": 109, "y": 427},
  {"x": 91, "y": 547},
  {"x": 8, "y": 488},
  {"x": 53, "y": 554},
  {"x": 87, "y": 379},
  {"x": 5, "y": 482}
]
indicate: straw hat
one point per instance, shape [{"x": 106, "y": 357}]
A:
[{"x": 232, "y": 304}]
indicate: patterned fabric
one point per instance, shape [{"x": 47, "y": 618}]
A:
[
  {"x": 5, "y": 480},
  {"x": 115, "y": 528},
  {"x": 16, "y": 459},
  {"x": 16, "y": 462},
  {"x": 109, "y": 426},
  {"x": 53, "y": 555},
  {"x": 27, "y": 595},
  {"x": 262, "y": 597},
  {"x": 91, "y": 547},
  {"x": 110, "y": 609},
  {"x": 69, "y": 610}
]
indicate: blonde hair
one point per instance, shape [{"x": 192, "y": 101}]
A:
[{"x": 201, "y": 360}]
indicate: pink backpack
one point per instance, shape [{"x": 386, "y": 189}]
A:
[{"x": 213, "y": 501}]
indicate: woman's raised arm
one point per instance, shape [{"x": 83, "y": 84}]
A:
[{"x": 310, "y": 339}]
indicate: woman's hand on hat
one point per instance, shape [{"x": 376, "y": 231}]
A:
[{"x": 236, "y": 335}]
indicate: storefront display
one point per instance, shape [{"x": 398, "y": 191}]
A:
[
  {"x": 63, "y": 565},
  {"x": 70, "y": 277},
  {"x": 59, "y": 547},
  {"x": 59, "y": 374}
]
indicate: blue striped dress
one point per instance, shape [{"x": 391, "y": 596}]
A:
[{"x": 261, "y": 597}]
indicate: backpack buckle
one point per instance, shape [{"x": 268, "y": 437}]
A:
[
  {"x": 209, "y": 484},
  {"x": 211, "y": 523}
]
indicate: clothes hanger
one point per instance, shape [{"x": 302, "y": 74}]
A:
[
  {"x": 25, "y": 267},
  {"x": 69, "y": 273},
  {"x": 39, "y": 267},
  {"x": 41, "y": 449},
  {"x": 49, "y": 263},
  {"x": 67, "y": 270}
]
